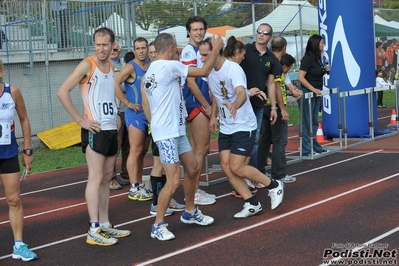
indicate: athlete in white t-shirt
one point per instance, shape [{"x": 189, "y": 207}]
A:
[
  {"x": 237, "y": 134},
  {"x": 164, "y": 107}
]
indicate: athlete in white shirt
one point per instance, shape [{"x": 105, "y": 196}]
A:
[
  {"x": 227, "y": 83},
  {"x": 164, "y": 107}
]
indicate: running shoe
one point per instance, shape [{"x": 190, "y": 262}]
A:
[
  {"x": 147, "y": 189},
  {"x": 196, "y": 218},
  {"x": 199, "y": 191},
  {"x": 276, "y": 195},
  {"x": 122, "y": 181},
  {"x": 174, "y": 205},
  {"x": 200, "y": 199},
  {"x": 161, "y": 232},
  {"x": 114, "y": 185},
  {"x": 248, "y": 210},
  {"x": 238, "y": 196},
  {"x": 140, "y": 194},
  {"x": 100, "y": 238},
  {"x": 23, "y": 253},
  {"x": 288, "y": 179},
  {"x": 258, "y": 185},
  {"x": 153, "y": 210},
  {"x": 113, "y": 232}
]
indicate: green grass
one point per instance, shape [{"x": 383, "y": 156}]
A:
[{"x": 48, "y": 160}]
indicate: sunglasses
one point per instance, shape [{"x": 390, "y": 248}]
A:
[
  {"x": 264, "y": 32},
  {"x": 115, "y": 50}
]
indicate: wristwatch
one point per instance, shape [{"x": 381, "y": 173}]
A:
[
  {"x": 28, "y": 152},
  {"x": 273, "y": 108}
]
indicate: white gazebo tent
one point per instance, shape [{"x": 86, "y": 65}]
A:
[
  {"x": 295, "y": 20},
  {"x": 292, "y": 17},
  {"x": 120, "y": 27}
]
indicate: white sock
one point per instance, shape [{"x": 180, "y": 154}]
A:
[
  {"x": 104, "y": 225},
  {"x": 18, "y": 243}
]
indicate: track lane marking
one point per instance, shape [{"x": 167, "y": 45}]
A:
[{"x": 178, "y": 252}]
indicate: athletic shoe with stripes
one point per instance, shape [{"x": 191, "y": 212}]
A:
[
  {"x": 161, "y": 232},
  {"x": 113, "y": 232},
  {"x": 140, "y": 194},
  {"x": 100, "y": 238},
  {"x": 196, "y": 218}
]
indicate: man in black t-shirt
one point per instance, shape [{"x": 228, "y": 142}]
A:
[{"x": 259, "y": 67}]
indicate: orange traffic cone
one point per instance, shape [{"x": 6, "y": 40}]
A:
[
  {"x": 393, "y": 118},
  {"x": 320, "y": 136}
]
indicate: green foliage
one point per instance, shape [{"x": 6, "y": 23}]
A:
[
  {"x": 48, "y": 160},
  {"x": 391, "y": 4}
]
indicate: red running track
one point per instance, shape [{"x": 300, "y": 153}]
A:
[{"x": 349, "y": 196}]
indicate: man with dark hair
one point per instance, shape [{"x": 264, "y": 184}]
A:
[
  {"x": 198, "y": 102},
  {"x": 276, "y": 133},
  {"x": 163, "y": 105},
  {"x": 259, "y": 66},
  {"x": 136, "y": 123},
  {"x": 95, "y": 77}
]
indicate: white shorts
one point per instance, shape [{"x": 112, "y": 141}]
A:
[{"x": 170, "y": 149}]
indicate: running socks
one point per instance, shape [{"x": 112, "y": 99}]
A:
[{"x": 157, "y": 183}]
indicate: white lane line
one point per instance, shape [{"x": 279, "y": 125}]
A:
[
  {"x": 80, "y": 182},
  {"x": 178, "y": 252},
  {"x": 122, "y": 194},
  {"x": 365, "y": 244},
  {"x": 221, "y": 196}
]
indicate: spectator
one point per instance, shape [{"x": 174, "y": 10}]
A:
[
  {"x": 310, "y": 76},
  {"x": 59, "y": 8},
  {"x": 380, "y": 83}
]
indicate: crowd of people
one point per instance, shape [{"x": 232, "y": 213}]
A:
[
  {"x": 386, "y": 64},
  {"x": 238, "y": 91}
]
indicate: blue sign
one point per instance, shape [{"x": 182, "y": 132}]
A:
[{"x": 348, "y": 33}]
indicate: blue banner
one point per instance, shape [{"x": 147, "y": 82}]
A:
[{"x": 348, "y": 33}]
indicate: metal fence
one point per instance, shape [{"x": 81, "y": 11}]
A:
[{"x": 42, "y": 41}]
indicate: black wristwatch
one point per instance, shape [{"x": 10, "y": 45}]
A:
[{"x": 28, "y": 152}]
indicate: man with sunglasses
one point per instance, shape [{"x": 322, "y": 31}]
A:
[{"x": 259, "y": 66}]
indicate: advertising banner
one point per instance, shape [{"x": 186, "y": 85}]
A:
[{"x": 348, "y": 33}]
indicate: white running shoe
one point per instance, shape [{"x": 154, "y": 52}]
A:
[
  {"x": 196, "y": 218},
  {"x": 248, "y": 210},
  {"x": 288, "y": 179},
  {"x": 161, "y": 232},
  {"x": 276, "y": 195}
]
